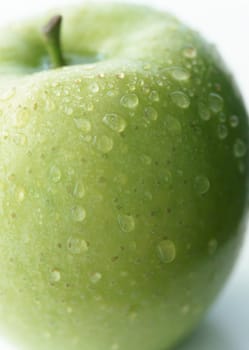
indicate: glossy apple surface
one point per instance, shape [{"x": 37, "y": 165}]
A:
[{"x": 123, "y": 181}]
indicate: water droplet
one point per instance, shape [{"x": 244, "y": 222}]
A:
[
  {"x": 68, "y": 110},
  {"x": 130, "y": 101},
  {"x": 78, "y": 214},
  {"x": 121, "y": 75},
  {"x": 150, "y": 114},
  {"x": 180, "y": 99},
  {"x": 115, "y": 347},
  {"x": 94, "y": 87},
  {"x": 114, "y": 122},
  {"x": 222, "y": 117},
  {"x": 83, "y": 125},
  {"x": 222, "y": 131},
  {"x": 126, "y": 223},
  {"x": 189, "y": 52},
  {"x": 201, "y": 184},
  {"x": 76, "y": 245},
  {"x": 179, "y": 73},
  {"x": 239, "y": 148},
  {"x": 154, "y": 96},
  {"x": 104, "y": 144},
  {"x": 215, "y": 102},
  {"x": 20, "y": 195},
  {"x": 185, "y": 309},
  {"x": 79, "y": 190},
  {"x": 168, "y": 177},
  {"x": 212, "y": 246},
  {"x": 166, "y": 251},
  {"x": 55, "y": 276},
  {"x": 204, "y": 112},
  {"x": 146, "y": 159},
  {"x": 21, "y": 119},
  {"x": 173, "y": 125},
  {"x": 55, "y": 174},
  {"x": 234, "y": 121},
  {"x": 8, "y": 94},
  {"x": 20, "y": 139},
  {"x": 241, "y": 167},
  {"x": 96, "y": 277}
]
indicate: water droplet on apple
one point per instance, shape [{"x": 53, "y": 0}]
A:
[
  {"x": 179, "y": 73},
  {"x": 234, "y": 121},
  {"x": 126, "y": 223},
  {"x": 180, "y": 99},
  {"x": 20, "y": 195},
  {"x": 115, "y": 347},
  {"x": 154, "y": 96},
  {"x": 68, "y": 110},
  {"x": 150, "y": 114},
  {"x": 241, "y": 167},
  {"x": 121, "y": 75},
  {"x": 114, "y": 122},
  {"x": 79, "y": 190},
  {"x": 55, "y": 174},
  {"x": 104, "y": 144},
  {"x": 83, "y": 125},
  {"x": 185, "y": 309},
  {"x": 201, "y": 184},
  {"x": 76, "y": 245},
  {"x": 20, "y": 139},
  {"x": 55, "y": 276},
  {"x": 212, "y": 246},
  {"x": 146, "y": 159},
  {"x": 21, "y": 119},
  {"x": 222, "y": 131},
  {"x": 166, "y": 251},
  {"x": 173, "y": 125},
  {"x": 204, "y": 112},
  {"x": 94, "y": 87},
  {"x": 78, "y": 214},
  {"x": 239, "y": 148},
  {"x": 96, "y": 277},
  {"x": 167, "y": 177},
  {"x": 8, "y": 94},
  {"x": 189, "y": 52},
  {"x": 215, "y": 102},
  {"x": 130, "y": 101}
]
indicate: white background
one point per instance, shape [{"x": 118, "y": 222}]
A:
[{"x": 226, "y": 23}]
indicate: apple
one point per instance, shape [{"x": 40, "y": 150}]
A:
[{"x": 123, "y": 177}]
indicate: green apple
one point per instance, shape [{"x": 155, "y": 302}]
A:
[{"x": 123, "y": 178}]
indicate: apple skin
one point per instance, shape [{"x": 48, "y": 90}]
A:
[{"x": 124, "y": 183}]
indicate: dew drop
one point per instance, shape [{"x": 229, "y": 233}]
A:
[
  {"x": 114, "y": 122},
  {"x": 239, "y": 148},
  {"x": 83, "y": 125},
  {"x": 166, "y": 251},
  {"x": 154, "y": 96},
  {"x": 20, "y": 195},
  {"x": 185, "y": 309},
  {"x": 204, "y": 112},
  {"x": 130, "y": 101},
  {"x": 180, "y": 99},
  {"x": 79, "y": 190},
  {"x": 179, "y": 73},
  {"x": 189, "y": 52},
  {"x": 126, "y": 223},
  {"x": 104, "y": 144},
  {"x": 68, "y": 110},
  {"x": 94, "y": 87},
  {"x": 8, "y": 94},
  {"x": 20, "y": 139},
  {"x": 21, "y": 119},
  {"x": 212, "y": 246},
  {"x": 201, "y": 184},
  {"x": 96, "y": 277},
  {"x": 234, "y": 121},
  {"x": 150, "y": 114},
  {"x": 76, "y": 245},
  {"x": 55, "y": 174},
  {"x": 78, "y": 214},
  {"x": 146, "y": 159},
  {"x": 55, "y": 276},
  {"x": 215, "y": 102},
  {"x": 222, "y": 131},
  {"x": 173, "y": 126},
  {"x": 168, "y": 177},
  {"x": 115, "y": 347}
]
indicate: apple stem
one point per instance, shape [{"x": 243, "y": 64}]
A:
[{"x": 51, "y": 32}]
